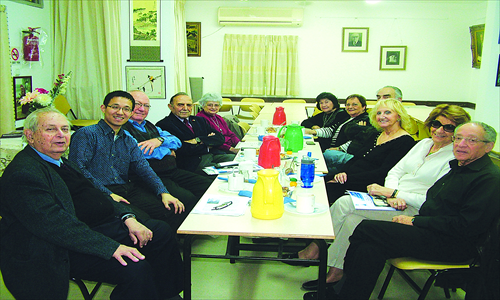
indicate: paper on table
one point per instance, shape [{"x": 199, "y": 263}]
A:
[
  {"x": 254, "y": 145},
  {"x": 363, "y": 201},
  {"x": 209, "y": 201}
]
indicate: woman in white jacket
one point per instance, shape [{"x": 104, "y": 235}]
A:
[{"x": 405, "y": 187}]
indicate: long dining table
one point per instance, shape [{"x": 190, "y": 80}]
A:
[{"x": 316, "y": 226}]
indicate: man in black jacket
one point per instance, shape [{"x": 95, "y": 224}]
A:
[
  {"x": 196, "y": 135},
  {"x": 57, "y": 225}
]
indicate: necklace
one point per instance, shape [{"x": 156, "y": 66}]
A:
[
  {"x": 214, "y": 118},
  {"x": 327, "y": 118}
]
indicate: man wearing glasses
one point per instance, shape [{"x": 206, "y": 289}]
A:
[
  {"x": 197, "y": 137},
  {"x": 106, "y": 155},
  {"x": 458, "y": 211},
  {"x": 158, "y": 147}
]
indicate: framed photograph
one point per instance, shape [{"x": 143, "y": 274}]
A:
[
  {"x": 193, "y": 35},
  {"x": 150, "y": 80},
  {"x": 35, "y": 3},
  {"x": 393, "y": 58},
  {"x": 22, "y": 85},
  {"x": 355, "y": 39},
  {"x": 145, "y": 37},
  {"x": 476, "y": 44}
]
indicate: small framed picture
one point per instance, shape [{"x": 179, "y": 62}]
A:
[
  {"x": 35, "y": 3},
  {"x": 22, "y": 85},
  {"x": 393, "y": 58},
  {"x": 476, "y": 44},
  {"x": 150, "y": 80},
  {"x": 193, "y": 35},
  {"x": 355, "y": 39}
]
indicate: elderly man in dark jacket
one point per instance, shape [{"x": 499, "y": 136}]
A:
[{"x": 57, "y": 225}]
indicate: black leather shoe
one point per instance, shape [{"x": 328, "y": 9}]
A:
[
  {"x": 330, "y": 294},
  {"x": 313, "y": 285},
  {"x": 295, "y": 255}
]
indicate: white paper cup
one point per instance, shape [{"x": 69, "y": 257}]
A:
[
  {"x": 261, "y": 130},
  {"x": 249, "y": 154},
  {"x": 305, "y": 202},
  {"x": 235, "y": 182},
  {"x": 264, "y": 123}
]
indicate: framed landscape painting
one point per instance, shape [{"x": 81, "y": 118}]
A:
[{"x": 193, "y": 36}]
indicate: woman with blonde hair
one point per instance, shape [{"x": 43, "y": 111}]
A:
[{"x": 382, "y": 146}]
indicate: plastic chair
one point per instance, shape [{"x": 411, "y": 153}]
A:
[
  {"x": 408, "y": 103},
  {"x": 482, "y": 269},
  {"x": 371, "y": 102},
  {"x": 256, "y": 108},
  {"x": 294, "y": 101},
  {"x": 404, "y": 264},
  {"x": 62, "y": 104},
  {"x": 225, "y": 108},
  {"x": 316, "y": 111},
  {"x": 247, "y": 107},
  {"x": 244, "y": 126},
  {"x": 83, "y": 288}
]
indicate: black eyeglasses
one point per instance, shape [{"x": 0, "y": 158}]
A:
[{"x": 448, "y": 127}]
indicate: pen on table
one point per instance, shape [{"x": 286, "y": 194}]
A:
[{"x": 223, "y": 205}]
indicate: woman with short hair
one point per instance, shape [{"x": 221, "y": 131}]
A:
[
  {"x": 331, "y": 116},
  {"x": 211, "y": 103}
]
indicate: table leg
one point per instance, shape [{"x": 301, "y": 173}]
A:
[
  {"x": 322, "y": 269},
  {"x": 233, "y": 243},
  {"x": 186, "y": 250}
]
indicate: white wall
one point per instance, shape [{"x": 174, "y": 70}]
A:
[
  {"x": 436, "y": 33},
  {"x": 488, "y": 95},
  {"x": 19, "y": 18}
]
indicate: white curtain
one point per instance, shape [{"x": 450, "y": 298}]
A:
[
  {"x": 87, "y": 42},
  {"x": 281, "y": 66},
  {"x": 7, "y": 118},
  {"x": 181, "y": 79},
  {"x": 260, "y": 65}
]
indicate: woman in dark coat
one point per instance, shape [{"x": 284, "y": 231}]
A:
[{"x": 331, "y": 116}]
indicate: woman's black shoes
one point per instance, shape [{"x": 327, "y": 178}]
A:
[
  {"x": 295, "y": 255},
  {"x": 313, "y": 285}
]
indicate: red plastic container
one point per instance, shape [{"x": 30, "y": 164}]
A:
[
  {"x": 269, "y": 152},
  {"x": 279, "y": 117}
]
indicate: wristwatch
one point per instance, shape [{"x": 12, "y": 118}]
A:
[
  {"x": 161, "y": 139},
  {"x": 197, "y": 140}
]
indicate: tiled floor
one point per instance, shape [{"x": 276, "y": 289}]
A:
[{"x": 218, "y": 279}]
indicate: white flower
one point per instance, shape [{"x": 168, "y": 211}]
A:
[{"x": 44, "y": 99}]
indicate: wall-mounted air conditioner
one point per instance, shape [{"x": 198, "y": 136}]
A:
[{"x": 270, "y": 16}]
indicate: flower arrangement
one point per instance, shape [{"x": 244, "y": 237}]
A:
[{"x": 41, "y": 98}]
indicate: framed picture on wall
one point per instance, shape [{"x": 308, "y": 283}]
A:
[
  {"x": 476, "y": 44},
  {"x": 150, "y": 80},
  {"x": 193, "y": 36},
  {"x": 355, "y": 39},
  {"x": 35, "y": 3},
  {"x": 393, "y": 58},
  {"x": 498, "y": 72},
  {"x": 22, "y": 85}
]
